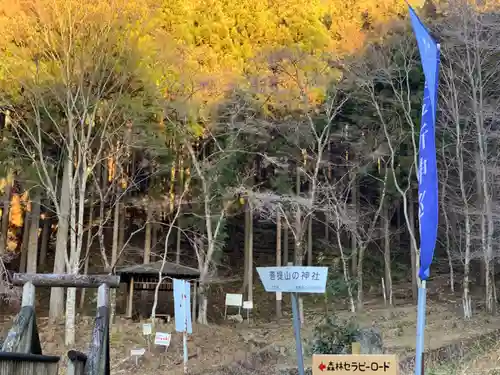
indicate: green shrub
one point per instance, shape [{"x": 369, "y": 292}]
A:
[{"x": 334, "y": 336}]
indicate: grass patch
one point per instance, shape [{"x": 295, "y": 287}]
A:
[{"x": 482, "y": 358}]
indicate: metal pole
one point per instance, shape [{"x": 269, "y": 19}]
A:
[
  {"x": 296, "y": 328},
  {"x": 419, "y": 355},
  {"x": 187, "y": 288}
]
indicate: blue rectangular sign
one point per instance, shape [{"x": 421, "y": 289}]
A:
[
  {"x": 293, "y": 279},
  {"x": 182, "y": 306}
]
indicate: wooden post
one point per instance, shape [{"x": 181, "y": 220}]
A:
[
  {"x": 356, "y": 348},
  {"x": 130, "y": 301},
  {"x": 76, "y": 362},
  {"x": 20, "y": 336},
  {"x": 102, "y": 296},
  {"x": 28, "y": 295},
  {"x": 65, "y": 281},
  {"x": 98, "y": 357}
]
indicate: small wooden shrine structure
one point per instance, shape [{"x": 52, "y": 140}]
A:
[{"x": 145, "y": 277}]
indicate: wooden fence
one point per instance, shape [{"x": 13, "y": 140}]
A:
[{"x": 21, "y": 352}]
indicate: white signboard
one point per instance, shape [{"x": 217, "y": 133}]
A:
[
  {"x": 248, "y": 305},
  {"x": 137, "y": 352},
  {"x": 293, "y": 279},
  {"x": 162, "y": 338},
  {"x": 234, "y": 299},
  {"x": 147, "y": 329}
]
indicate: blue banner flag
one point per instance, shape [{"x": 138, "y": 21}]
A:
[
  {"x": 182, "y": 306},
  {"x": 427, "y": 169}
]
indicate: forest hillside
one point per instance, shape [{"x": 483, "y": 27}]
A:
[{"x": 225, "y": 135}]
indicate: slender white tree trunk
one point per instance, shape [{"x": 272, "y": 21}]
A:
[
  {"x": 278, "y": 258},
  {"x": 34, "y": 224},
  {"x": 387, "y": 254},
  {"x": 57, "y": 294},
  {"x": 345, "y": 267},
  {"x": 114, "y": 252}
]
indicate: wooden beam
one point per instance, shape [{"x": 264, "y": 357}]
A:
[{"x": 65, "y": 281}]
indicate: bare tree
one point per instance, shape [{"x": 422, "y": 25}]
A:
[
  {"x": 77, "y": 91},
  {"x": 471, "y": 107},
  {"x": 452, "y": 108},
  {"x": 393, "y": 109},
  {"x": 360, "y": 224},
  {"x": 179, "y": 203}
]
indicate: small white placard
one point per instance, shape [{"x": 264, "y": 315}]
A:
[
  {"x": 147, "y": 329},
  {"x": 279, "y": 296},
  {"x": 137, "y": 352},
  {"x": 162, "y": 338},
  {"x": 248, "y": 305},
  {"x": 234, "y": 299}
]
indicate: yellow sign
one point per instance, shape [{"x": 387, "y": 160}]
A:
[{"x": 367, "y": 364}]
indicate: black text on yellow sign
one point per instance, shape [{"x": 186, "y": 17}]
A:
[{"x": 367, "y": 364}]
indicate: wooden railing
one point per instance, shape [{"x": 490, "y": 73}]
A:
[{"x": 21, "y": 352}]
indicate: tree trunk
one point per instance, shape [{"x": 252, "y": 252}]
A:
[
  {"x": 278, "y": 260},
  {"x": 387, "y": 252},
  {"x": 85, "y": 272},
  {"x": 345, "y": 268},
  {"x": 178, "y": 242},
  {"x": 359, "y": 279},
  {"x": 88, "y": 246},
  {"x": 70, "y": 313},
  {"x": 250, "y": 254},
  {"x": 5, "y": 216},
  {"x": 285, "y": 243},
  {"x": 147, "y": 235},
  {"x": 299, "y": 251},
  {"x": 310, "y": 241},
  {"x": 34, "y": 225},
  {"x": 25, "y": 242},
  {"x": 57, "y": 294},
  {"x": 203, "y": 298},
  {"x": 354, "y": 238},
  {"x": 122, "y": 232},
  {"x": 414, "y": 255},
  {"x": 114, "y": 252},
  {"x": 44, "y": 241},
  {"x": 246, "y": 250},
  {"x": 147, "y": 251},
  {"x": 466, "y": 299},
  {"x": 448, "y": 245}
]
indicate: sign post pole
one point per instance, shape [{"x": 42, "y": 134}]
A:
[
  {"x": 294, "y": 279},
  {"x": 184, "y": 334},
  {"x": 296, "y": 328}
]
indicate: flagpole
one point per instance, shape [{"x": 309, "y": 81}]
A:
[
  {"x": 419, "y": 356},
  {"x": 187, "y": 287}
]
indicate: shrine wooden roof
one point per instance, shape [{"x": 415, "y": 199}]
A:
[{"x": 152, "y": 269}]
